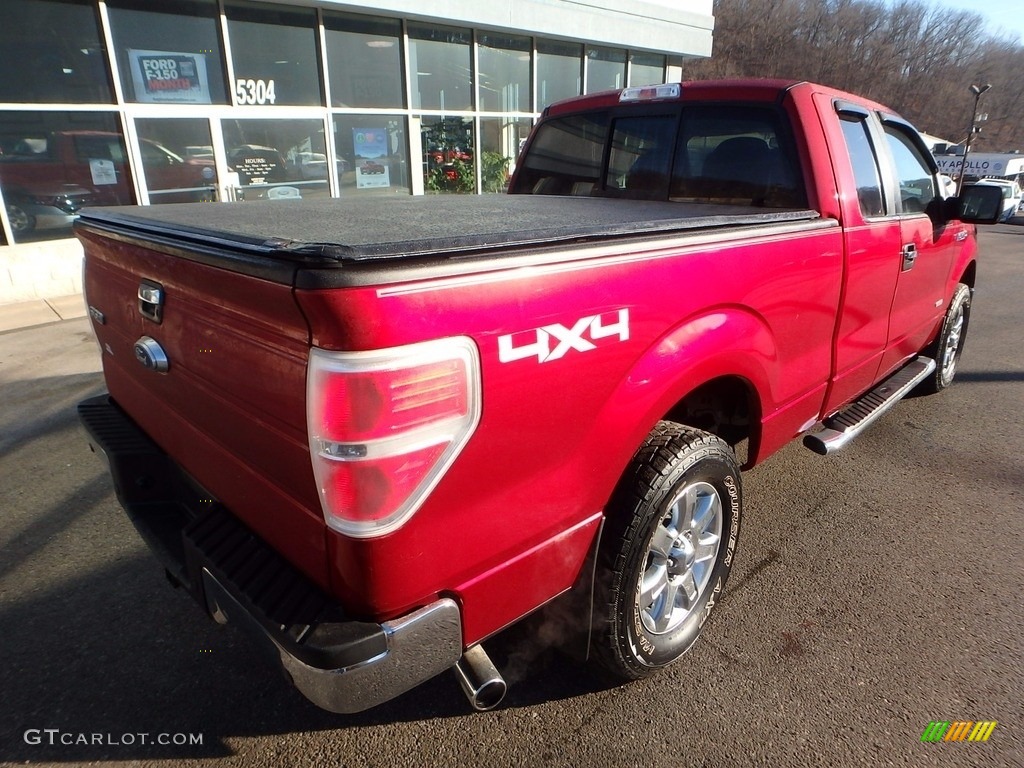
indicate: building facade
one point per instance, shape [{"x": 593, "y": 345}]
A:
[{"x": 121, "y": 102}]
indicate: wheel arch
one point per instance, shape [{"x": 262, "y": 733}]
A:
[
  {"x": 716, "y": 372},
  {"x": 969, "y": 275}
]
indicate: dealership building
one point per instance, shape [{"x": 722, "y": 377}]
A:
[{"x": 123, "y": 102}]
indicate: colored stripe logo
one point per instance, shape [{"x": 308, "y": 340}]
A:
[{"x": 959, "y": 730}]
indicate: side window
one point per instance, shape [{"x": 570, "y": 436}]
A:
[
  {"x": 641, "y": 151},
  {"x": 917, "y": 182},
  {"x": 865, "y": 166},
  {"x": 565, "y": 156},
  {"x": 736, "y": 155}
]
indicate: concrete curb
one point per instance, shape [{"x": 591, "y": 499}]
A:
[{"x": 25, "y": 314}]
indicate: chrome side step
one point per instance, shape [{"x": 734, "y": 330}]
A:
[{"x": 841, "y": 428}]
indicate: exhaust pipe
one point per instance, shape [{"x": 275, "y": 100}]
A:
[{"x": 480, "y": 679}]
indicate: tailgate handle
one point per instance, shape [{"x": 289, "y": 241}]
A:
[{"x": 151, "y": 300}]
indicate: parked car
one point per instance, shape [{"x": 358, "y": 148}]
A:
[
  {"x": 946, "y": 185},
  {"x": 307, "y": 165},
  {"x": 40, "y": 167},
  {"x": 45, "y": 209},
  {"x": 1012, "y": 195},
  {"x": 371, "y": 167}
]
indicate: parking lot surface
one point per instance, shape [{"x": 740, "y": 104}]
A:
[{"x": 875, "y": 591}]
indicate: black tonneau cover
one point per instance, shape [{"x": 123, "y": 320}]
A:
[{"x": 343, "y": 230}]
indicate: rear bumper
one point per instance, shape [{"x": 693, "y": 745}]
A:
[{"x": 339, "y": 663}]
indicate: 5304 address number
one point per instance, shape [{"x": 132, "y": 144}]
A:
[{"x": 255, "y": 91}]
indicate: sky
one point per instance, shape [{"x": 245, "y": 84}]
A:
[{"x": 1003, "y": 15}]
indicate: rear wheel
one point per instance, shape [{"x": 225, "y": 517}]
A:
[
  {"x": 949, "y": 345},
  {"x": 668, "y": 547}
]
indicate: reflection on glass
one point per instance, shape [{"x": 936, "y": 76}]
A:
[
  {"x": 364, "y": 58},
  {"x": 501, "y": 140},
  {"x": 504, "y": 75},
  {"x": 53, "y": 164},
  {"x": 372, "y": 154},
  {"x": 168, "y": 55},
  {"x": 177, "y": 160},
  {"x": 52, "y": 51},
  {"x": 276, "y": 159},
  {"x": 274, "y": 52},
  {"x": 646, "y": 68},
  {"x": 606, "y": 68},
  {"x": 558, "y": 71},
  {"x": 439, "y": 60},
  {"x": 448, "y": 155}
]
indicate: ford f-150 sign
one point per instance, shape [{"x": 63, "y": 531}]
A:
[{"x": 378, "y": 433}]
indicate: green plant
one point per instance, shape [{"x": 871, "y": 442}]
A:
[{"x": 494, "y": 171}]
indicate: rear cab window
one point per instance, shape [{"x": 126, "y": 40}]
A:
[{"x": 725, "y": 154}]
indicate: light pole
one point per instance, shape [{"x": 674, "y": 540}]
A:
[{"x": 977, "y": 90}]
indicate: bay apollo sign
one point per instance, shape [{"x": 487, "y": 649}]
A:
[{"x": 982, "y": 164}]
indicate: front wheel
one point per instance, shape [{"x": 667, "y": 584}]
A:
[
  {"x": 670, "y": 537},
  {"x": 21, "y": 220},
  {"x": 949, "y": 345}
]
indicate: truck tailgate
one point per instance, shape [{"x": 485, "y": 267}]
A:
[{"x": 230, "y": 408}]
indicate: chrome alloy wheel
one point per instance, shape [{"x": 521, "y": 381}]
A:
[
  {"x": 950, "y": 354},
  {"x": 680, "y": 558},
  {"x": 20, "y": 220}
]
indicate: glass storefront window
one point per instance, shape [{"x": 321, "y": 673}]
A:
[
  {"x": 177, "y": 160},
  {"x": 504, "y": 76},
  {"x": 277, "y": 159},
  {"x": 168, "y": 53},
  {"x": 558, "y": 71},
  {"x": 606, "y": 68},
  {"x": 646, "y": 68},
  {"x": 372, "y": 154},
  {"x": 440, "y": 65},
  {"x": 53, "y": 52},
  {"x": 501, "y": 139},
  {"x": 448, "y": 154},
  {"x": 275, "y": 54},
  {"x": 52, "y": 164},
  {"x": 364, "y": 60}
]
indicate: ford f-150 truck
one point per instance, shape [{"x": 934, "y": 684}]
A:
[{"x": 378, "y": 433}]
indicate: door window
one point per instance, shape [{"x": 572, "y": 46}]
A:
[
  {"x": 865, "y": 166},
  {"x": 916, "y": 180}
]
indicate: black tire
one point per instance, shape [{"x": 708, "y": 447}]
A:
[
  {"x": 679, "y": 477},
  {"x": 949, "y": 345},
  {"x": 21, "y": 220}
]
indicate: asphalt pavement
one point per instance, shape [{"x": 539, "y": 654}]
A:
[{"x": 875, "y": 591}]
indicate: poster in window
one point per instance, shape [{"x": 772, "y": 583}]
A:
[
  {"x": 371, "y": 150},
  {"x": 162, "y": 77}
]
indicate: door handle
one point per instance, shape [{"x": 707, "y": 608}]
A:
[{"x": 909, "y": 256}]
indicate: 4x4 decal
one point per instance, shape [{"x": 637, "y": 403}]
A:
[{"x": 552, "y": 342}]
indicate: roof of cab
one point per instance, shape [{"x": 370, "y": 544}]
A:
[{"x": 745, "y": 89}]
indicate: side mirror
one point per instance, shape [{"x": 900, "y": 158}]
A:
[{"x": 977, "y": 204}]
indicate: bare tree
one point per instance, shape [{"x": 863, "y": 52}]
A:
[{"x": 918, "y": 59}]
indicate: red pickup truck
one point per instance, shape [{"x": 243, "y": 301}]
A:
[{"x": 378, "y": 433}]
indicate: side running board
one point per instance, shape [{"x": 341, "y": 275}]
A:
[{"x": 841, "y": 428}]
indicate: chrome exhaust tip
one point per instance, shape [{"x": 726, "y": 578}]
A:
[{"x": 480, "y": 679}]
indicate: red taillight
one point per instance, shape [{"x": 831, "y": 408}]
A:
[{"x": 384, "y": 426}]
